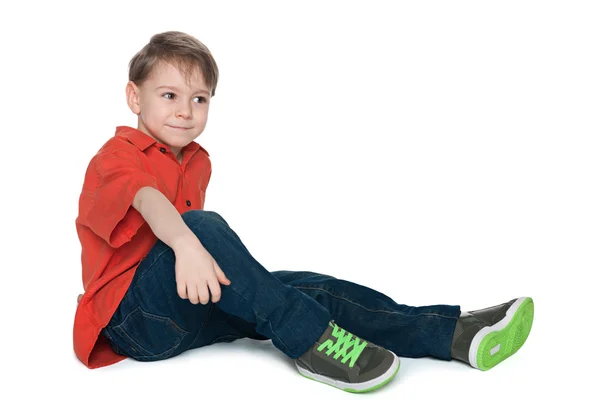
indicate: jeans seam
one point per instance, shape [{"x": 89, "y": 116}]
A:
[
  {"x": 367, "y": 309},
  {"x": 221, "y": 220},
  {"x": 152, "y": 265},
  {"x": 212, "y": 306}
]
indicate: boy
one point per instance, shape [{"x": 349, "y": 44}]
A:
[{"x": 163, "y": 276}]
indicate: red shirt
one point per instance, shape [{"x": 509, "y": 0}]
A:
[{"x": 114, "y": 236}]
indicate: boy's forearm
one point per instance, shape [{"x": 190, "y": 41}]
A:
[{"x": 163, "y": 218}]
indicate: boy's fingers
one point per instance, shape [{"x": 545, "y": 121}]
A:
[
  {"x": 203, "y": 294},
  {"x": 223, "y": 280},
  {"x": 192, "y": 293},
  {"x": 215, "y": 289},
  {"x": 181, "y": 289},
  {"x": 221, "y": 275}
]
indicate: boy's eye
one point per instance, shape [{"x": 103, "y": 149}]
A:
[{"x": 167, "y": 96}]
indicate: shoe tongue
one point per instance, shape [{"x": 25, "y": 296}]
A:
[{"x": 364, "y": 359}]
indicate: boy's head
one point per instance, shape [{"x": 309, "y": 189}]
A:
[{"x": 171, "y": 82}]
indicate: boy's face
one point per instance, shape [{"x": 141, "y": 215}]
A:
[{"x": 169, "y": 110}]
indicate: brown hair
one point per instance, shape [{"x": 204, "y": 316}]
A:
[{"x": 178, "y": 49}]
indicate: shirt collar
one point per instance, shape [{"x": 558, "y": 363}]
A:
[{"x": 143, "y": 141}]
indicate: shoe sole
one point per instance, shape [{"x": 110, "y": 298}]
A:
[
  {"x": 494, "y": 344},
  {"x": 355, "y": 387}
]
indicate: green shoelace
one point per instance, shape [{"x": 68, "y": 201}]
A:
[{"x": 345, "y": 340}]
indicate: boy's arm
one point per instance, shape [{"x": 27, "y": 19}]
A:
[
  {"x": 197, "y": 274},
  {"x": 163, "y": 218}
]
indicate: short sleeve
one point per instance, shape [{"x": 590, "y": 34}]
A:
[{"x": 105, "y": 206}]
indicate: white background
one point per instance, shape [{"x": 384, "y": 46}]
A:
[{"x": 440, "y": 152}]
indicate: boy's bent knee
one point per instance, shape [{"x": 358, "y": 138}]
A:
[
  {"x": 195, "y": 218},
  {"x": 197, "y": 215}
]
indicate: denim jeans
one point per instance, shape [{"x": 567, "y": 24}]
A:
[{"x": 292, "y": 308}]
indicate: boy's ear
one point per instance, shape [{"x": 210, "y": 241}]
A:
[{"x": 133, "y": 99}]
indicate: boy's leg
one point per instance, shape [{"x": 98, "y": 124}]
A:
[
  {"x": 153, "y": 323},
  {"x": 481, "y": 338},
  {"x": 292, "y": 319},
  {"x": 297, "y": 324},
  {"x": 407, "y": 331}
]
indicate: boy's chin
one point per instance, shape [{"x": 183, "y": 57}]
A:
[{"x": 175, "y": 140}]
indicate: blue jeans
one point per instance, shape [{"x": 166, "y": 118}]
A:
[{"x": 292, "y": 308}]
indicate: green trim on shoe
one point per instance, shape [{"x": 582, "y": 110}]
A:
[
  {"x": 494, "y": 344},
  {"x": 358, "y": 391},
  {"x": 345, "y": 361}
]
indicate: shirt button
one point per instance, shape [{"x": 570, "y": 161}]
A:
[
  {"x": 189, "y": 203},
  {"x": 162, "y": 150}
]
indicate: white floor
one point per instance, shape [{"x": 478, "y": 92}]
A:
[{"x": 256, "y": 369}]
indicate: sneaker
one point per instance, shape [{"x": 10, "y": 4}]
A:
[
  {"x": 484, "y": 338},
  {"x": 347, "y": 362}
]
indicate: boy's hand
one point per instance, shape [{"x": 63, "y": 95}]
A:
[{"x": 197, "y": 272}]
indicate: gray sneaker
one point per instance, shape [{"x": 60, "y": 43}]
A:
[
  {"x": 484, "y": 338},
  {"x": 343, "y": 360}
]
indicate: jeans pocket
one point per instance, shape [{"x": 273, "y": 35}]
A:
[{"x": 150, "y": 337}]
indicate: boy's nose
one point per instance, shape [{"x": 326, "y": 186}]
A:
[{"x": 184, "y": 111}]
